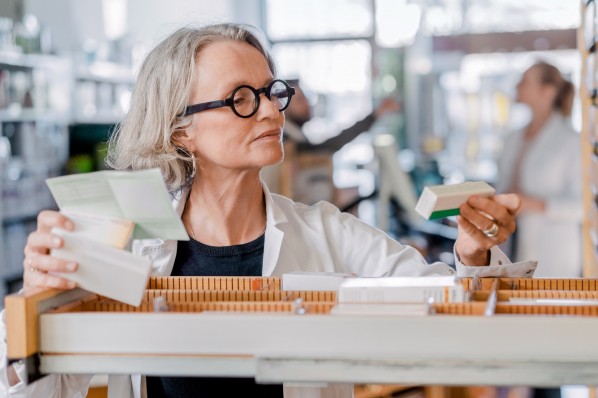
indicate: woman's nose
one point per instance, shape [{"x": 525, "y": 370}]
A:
[{"x": 267, "y": 107}]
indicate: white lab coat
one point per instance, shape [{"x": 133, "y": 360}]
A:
[
  {"x": 550, "y": 170},
  {"x": 298, "y": 237}
]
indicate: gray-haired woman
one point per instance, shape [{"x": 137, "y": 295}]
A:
[{"x": 208, "y": 111}]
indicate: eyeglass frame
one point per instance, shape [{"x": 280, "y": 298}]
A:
[{"x": 205, "y": 106}]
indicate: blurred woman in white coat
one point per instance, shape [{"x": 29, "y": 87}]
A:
[{"x": 542, "y": 164}]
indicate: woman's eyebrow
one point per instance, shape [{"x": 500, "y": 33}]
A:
[{"x": 267, "y": 81}]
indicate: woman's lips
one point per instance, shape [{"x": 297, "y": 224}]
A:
[{"x": 270, "y": 134}]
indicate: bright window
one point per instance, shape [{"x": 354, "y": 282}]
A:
[
  {"x": 311, "y": 19},
  {"x": 337, "y": 77}
]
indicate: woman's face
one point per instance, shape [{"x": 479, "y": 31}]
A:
[
  {"x": 219, "y": 138},
  {"x": 532, "y": 92}
]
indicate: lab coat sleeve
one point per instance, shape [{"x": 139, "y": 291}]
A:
[
  {"x": 567, "y": 207},
  {"x": 500, "y": 266},
  {"x": 51, "y": 386},
  {"x": 367, "y": 251}
]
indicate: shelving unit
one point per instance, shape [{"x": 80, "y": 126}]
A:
[
  {"x": 35, "y": 111},
  {"x": 102, "y": 91},
  {"x": 51, "y": 107},
  {"x": 100, "y": 100},
  {"x": 588, "y": 91}
]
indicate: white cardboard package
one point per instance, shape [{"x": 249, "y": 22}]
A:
[
  {"x": 439, "y": 289},
  {"x": 103, "y": 269},
  {"x": 318, "y": 281}
]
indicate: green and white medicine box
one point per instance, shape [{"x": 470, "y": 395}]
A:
[{"x": 440, "y": 201}]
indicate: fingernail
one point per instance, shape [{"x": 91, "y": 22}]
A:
[
  {"x": 56, "y": 241},
  {"x": 69, "y": 225},
  {"x": 71, "y": 285},
  {"x": 71, "y": 267}
]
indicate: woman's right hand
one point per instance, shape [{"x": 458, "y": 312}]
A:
[{"x": 39, "y": 264}]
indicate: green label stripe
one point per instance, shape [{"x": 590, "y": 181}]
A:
[{"x": 444, "y": 213}]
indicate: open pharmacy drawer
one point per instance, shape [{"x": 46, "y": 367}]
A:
[{"x": 539, "y": 332}]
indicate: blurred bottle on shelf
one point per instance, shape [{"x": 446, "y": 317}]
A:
[
  {"x": 28, "y": 34},
  {"x": 6, "y": 34}
]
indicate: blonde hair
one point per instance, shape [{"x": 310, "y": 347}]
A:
[
  {"x": 550, "y": 75},
  {"x": 145, "y": 137}
]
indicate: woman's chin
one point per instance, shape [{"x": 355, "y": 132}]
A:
[
  {"x": 274, "y": 161},
  {"x": 274, "y": 157}
]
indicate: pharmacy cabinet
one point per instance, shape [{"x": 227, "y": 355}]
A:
[{"x": 35, "y": 110}]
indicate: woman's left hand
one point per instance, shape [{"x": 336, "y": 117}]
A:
[{"x": 483, "y": 223}]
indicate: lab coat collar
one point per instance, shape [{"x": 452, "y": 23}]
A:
[
  {"x": 274, "y": 235},
  {"x": 275, "y": 216}
]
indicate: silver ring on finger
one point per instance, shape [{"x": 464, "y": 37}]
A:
[{"x": 492, "y": 231}]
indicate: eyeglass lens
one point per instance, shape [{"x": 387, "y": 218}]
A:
[
  {"x": 279, "y": 94},
  {"x": 246, "y": 100}
]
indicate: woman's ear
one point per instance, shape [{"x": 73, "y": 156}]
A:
[{"x": 182, "y": 139}]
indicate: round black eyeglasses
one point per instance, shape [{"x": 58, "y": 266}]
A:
[{"x": 245, "y": 100}]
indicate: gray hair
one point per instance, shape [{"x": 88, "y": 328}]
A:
[{"x": 145, "y": 137}]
